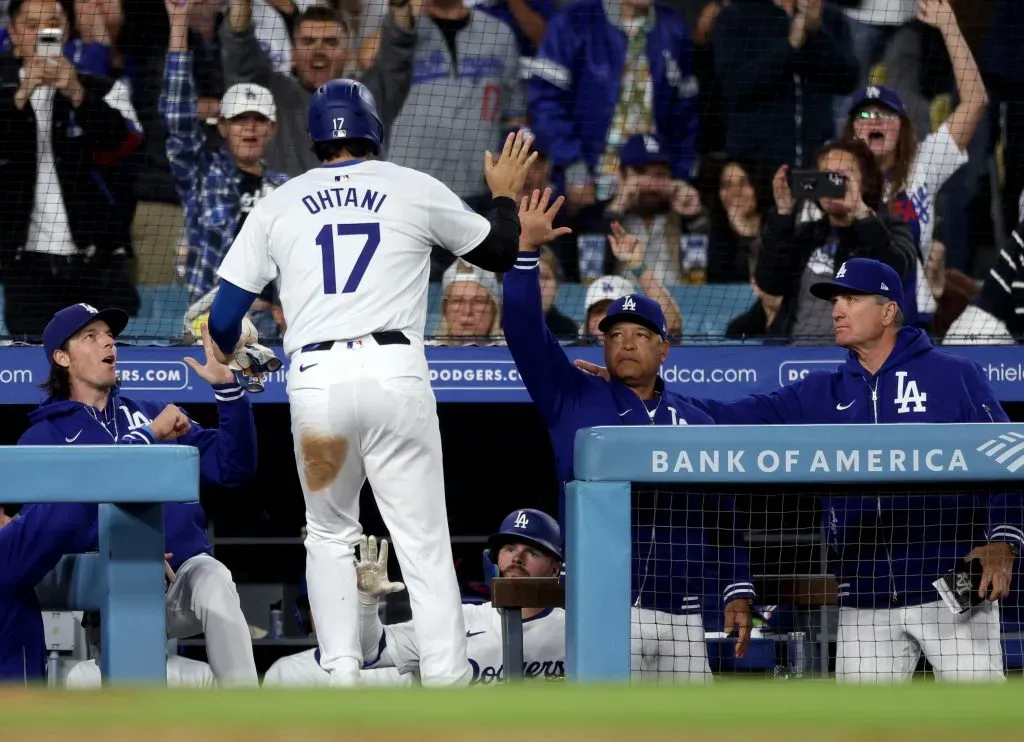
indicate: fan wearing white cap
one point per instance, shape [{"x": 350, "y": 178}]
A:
[
  {"x": 217, "y": 188},
  {"x": 470, "y": 306},
  {"x": 630, "y": 253}
]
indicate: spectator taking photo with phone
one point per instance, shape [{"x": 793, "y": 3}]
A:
[{"x": 847, "y": 190}]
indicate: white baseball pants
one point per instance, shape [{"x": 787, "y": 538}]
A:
[
  {"x": 668, "y": 648},
  {"x": 884, "y": 645},
  {"x": 366, "y": 411},
  {"x": 203, "y": 599}
]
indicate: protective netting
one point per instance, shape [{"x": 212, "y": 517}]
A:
[
  {"x": 845, "y": 580},
  {"x": 129, "y": 166}
]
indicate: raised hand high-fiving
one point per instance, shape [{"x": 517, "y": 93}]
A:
[
  {"x": 536, "y": 220},
  {"x": 506, "y": 175}
]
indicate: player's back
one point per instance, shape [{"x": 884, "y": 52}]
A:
[{"x": 352, "y": 244}]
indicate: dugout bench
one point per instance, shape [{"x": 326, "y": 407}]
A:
[{"x": 125, "y": 579}]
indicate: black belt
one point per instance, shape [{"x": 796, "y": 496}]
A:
[{"x": 385, "y": 337}]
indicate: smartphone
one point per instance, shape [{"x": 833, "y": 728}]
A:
[
  {"x": 49, "y": 42},
  {"x": 815, "y": 184}
]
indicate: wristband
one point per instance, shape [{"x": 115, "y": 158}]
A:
[{"x": 639, "y": 270}]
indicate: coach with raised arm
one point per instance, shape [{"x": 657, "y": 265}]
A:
[
  {"x": 887, "y": 551},
  {"x": 85, "y": 407},
  {"x": 675, "y": 544}
]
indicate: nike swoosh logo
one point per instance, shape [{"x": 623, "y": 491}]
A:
[
  {"x": 623, "y": 414},
  {"x": 306, "y": 368},
  {"x": 474, "y": 633},
  {"x": 844, "y": 406},
  {"x": 72, "y": 440}
]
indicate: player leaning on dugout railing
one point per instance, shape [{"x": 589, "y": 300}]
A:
[
  {"x": 887, "y": 551},
  {"x": 84, "y": 406},
  {"x": 673, "y": 547}
]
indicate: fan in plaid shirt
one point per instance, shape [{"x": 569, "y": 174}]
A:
[{"x": 217, "y": 188}]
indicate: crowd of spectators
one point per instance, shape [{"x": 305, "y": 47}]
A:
[{"x": 133, "y": 146}]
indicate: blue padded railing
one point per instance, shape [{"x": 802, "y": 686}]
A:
[{"x": 125, "y": 579}]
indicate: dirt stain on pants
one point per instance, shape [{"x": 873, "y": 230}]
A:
[{"x": 323, "y": 457}]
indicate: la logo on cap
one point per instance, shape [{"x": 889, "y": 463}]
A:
[
  {"x": 651, "y": 144},
  {"x": 842, "y": 271},
  {"x": 89, "y": 308},
  {"x": 874, "y": 92},
  {"x": 250, "y": 94},
  {"x": 629, "y": 304}
]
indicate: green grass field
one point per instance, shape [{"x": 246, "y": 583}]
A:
[{"x": 730, "y": 710}]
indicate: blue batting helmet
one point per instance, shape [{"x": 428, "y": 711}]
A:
[
  {"x": 531, "y": 527},
  {"x": 345, "y": 109}
]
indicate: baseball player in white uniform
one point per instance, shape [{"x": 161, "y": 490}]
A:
[
  {"x": 528, "y": 544},
  {"x": 304, "y": 670},
  {"x": 349, "y": 244}
]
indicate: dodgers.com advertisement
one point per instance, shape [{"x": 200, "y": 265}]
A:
[{"x": 490, "y": 374}]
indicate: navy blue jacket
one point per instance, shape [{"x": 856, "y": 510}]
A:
[
  {"x": 30, "y": 546},
  {"x": 577, "y": 76},
  {"x": 227, "y": 455},
  {"x": 672, "y": 543},
  {"x": 887, "y": 550},
  {"x": 778, "y": 100}
]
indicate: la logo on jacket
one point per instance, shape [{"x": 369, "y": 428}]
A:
[{"x": 908, "y": 397}]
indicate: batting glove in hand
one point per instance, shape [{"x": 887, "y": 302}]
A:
[
  {"x": 252, "y": 363},
  {"x": 372, "y": 570}
]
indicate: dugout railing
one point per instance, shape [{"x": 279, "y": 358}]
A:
[
  {"x": 124, "y": 580},
  {"x": 611, "y": 461}
]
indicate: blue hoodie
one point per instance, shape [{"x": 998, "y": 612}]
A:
[
  {"x": 30, "y": 546},
  {"x": 227, "y": 455},
  {"x": 887, "y": 550},
  {"x": 672, "y": 545}
]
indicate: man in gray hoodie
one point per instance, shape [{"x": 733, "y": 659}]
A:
[{"x": 319, "y": 50}]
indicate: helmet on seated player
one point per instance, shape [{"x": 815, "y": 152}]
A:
[{"x": 527, "y": 544}]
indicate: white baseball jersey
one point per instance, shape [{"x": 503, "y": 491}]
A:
[
  {"x": 181, "y": 673},
  {"x": 350, "y": 244},
  {"x": 543, "y": 644},
  {"x": 303, "y": 669}
]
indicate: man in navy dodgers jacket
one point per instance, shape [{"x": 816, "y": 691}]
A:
[
  {"x": 886, "y": 551},
  {"x": 32, "y": 541},
  {"x": 669, "y": 558},
  {"x": 84, "y": 407}
]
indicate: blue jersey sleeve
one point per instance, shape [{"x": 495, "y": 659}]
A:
[
  {"x": 33, "y": 542},
  {"x": 227, "y": 453},
  {"x": 549, "y": 376},
  {"x": 226, "y": 314}
]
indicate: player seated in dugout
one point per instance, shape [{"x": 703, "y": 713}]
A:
[
  {"x": 303, "y": 668},
  {"x": 527, "y": 544},
  {"x": 470, "y": 307}
]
